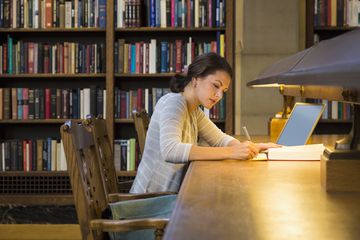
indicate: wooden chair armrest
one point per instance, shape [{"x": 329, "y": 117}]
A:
[
  {"x": 116, "y": 197},
  {"x": 108, "y": 225}
]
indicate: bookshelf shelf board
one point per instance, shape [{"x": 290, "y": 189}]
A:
[
  {"x": 126, "y": 173},
  {"x": 136, "y": 75},
  {"x": 38, "y": 199},
  {"x": 170, "y": 29},
  {"x": 56, "y": 75},
  {"x": 42, "y": 30},
  {"x": 34, "y": 173},
  {"x": 334, "y": 121},
  {"x": 124, "y": 120},
  {"x": 218, "y": 120},
  {"x": 316, "y": 29},
  {"x": 35, "y": 121}
]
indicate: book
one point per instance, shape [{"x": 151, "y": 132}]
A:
[
  {"x": 1, "y": 104},
  {"x": 6, "y": 104},
  {"x": 296, "y": 153}
]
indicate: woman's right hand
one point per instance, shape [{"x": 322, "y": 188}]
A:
[{"x": 244, "y": 150}]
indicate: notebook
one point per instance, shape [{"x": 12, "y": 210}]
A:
[{"x": 300, "y": 124}]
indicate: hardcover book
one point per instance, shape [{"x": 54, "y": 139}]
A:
[{"x": 296, "y": 153}]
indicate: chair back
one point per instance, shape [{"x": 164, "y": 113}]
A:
[
  {"x": 88, "y": 191},
  {"x": 106, "y": 154},
  {"x": 141, "y": 120}
]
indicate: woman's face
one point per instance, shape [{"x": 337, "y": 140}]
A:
[{"x": 210, "y": 89}]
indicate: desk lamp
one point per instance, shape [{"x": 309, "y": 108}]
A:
[{"x": 328, "y": 70}]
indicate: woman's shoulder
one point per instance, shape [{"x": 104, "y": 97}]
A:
[{"x": 173, "y": 98}]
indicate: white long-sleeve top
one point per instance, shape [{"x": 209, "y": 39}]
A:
[{"x": 171, "y": 134}]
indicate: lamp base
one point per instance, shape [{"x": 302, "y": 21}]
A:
[
  {"x": 340, "y": 170},
  {"x": 275, "y": 127}
]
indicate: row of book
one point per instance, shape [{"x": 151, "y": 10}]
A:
[
  {"x": 32, "y": 155},
  {"x": 163, "y": 56},
  {"x": 56, "y": 103},
  {"x": 127, "y": 101},
  {"x": 51, "y": 103},
  {"x": 40, "y": 14},
  {"x": 66, "y": 57},
  {"x": 217, "y": 112},
  {"x": 126, "y": 154},
  {"x": 48, "y": 155},
  {"x": 52, "y": 13},
  {"x": 129, "y": 13},
  {"x": 335, "y": 110},
  {"x": 170, "y": 13},
  {"x": 336, "y": 13}
]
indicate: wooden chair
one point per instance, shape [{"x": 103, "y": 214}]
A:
[
  {"x": 103, "y": 145},
  {"x": 141, "y": 121},
  {"x": 106, "y": 163},
  {"x": 91, "y": 200}
]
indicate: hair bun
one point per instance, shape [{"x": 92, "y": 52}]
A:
[{"x": 178, "y": 83}]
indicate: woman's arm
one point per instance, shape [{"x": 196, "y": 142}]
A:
[
  {"x": 173, "y": 150},
  {"x": 235, "y": 150},
  {"x": 210, "y": 133}
]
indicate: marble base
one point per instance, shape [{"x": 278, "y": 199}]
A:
[{"x": 50, "y": 214}]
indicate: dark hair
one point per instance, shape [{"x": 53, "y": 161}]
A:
[{"x": 202, "y": 66}]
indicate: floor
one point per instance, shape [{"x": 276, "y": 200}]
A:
[{"x": 40, "y": 232}]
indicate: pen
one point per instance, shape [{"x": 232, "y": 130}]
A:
[{"x": 246, "y": 133}]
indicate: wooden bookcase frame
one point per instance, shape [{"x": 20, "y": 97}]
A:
[{"x": 53, "y": 187}]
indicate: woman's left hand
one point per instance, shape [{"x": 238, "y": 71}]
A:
[{"x": 265, "y": 146}]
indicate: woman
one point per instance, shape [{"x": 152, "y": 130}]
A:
[{"x": 177, "y": 123}]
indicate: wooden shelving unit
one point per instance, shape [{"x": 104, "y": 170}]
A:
[{"x": 59, "y": 191}]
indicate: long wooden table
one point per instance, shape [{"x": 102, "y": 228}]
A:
[{"x": 261, "y": 200}]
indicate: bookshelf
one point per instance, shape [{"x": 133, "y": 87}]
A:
[
  {"x": 324, "y": 29},
  {"x": 53, "y": 187},
  {"x": 324, "y": 20}
]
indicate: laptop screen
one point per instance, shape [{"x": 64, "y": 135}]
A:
[{"x": 301, "y": 124}]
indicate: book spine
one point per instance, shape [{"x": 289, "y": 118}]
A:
[
  {"x": 31, "y": 104},
  {"x": 1, "y": 104},
  {"x": 164, "y": 49},
  {"x": 47, "y": 104},
  {"x": 152, "y": 13},
  {"x": 65, "y": 104},
  {"x": 48, "y": 14},
  {"x": 25, "y": 102},
  {"x": 39, "y": 155},
  {"x": 33, "y": 154},
  {"x": 10, "y": 55},
  {"x": 123, "y": 158},
  {"x": 132, "y": 154},
  {"x": 102, "y": 13},
  {"x": 58, "y": 104},
  {"x": 99, "y": 102},
  {"x": 49, "y": 159},
  {"x": 93, "y": 100},
  {"x": 1, "y": 14}
]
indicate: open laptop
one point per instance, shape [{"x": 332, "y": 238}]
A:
[{"x": 300, "y": 124}]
